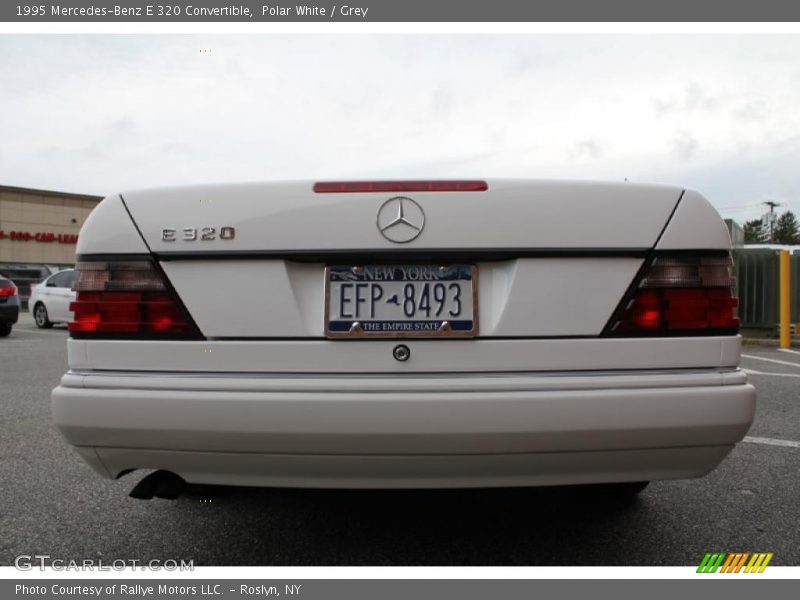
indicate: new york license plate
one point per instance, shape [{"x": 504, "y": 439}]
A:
[{"x": 401, "y": 300}]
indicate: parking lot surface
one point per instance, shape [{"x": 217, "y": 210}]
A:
[{"x": 54, "y": 504}]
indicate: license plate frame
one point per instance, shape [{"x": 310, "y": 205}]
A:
[{"x": 442, "y": 332}]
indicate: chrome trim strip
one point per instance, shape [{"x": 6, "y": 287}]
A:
[
  {"x": 358, "y": 255},
  {"x": 422, "y": 375}
]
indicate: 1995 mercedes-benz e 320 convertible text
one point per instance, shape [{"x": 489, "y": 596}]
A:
[{"x": 405, "y": 334}]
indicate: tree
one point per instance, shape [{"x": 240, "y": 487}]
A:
[
  {"x": 754, "y": 232},
  {"x": 787, "y": 229}
]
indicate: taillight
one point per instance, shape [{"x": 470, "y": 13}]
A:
[
  {"x": 678, "y": 295},
  {"x": 339, "y": 187},
  {"x": 127, "y": 299},
  {"x": 7, "y": 290}
]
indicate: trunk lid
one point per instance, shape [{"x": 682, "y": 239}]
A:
[
  {"x": 553, "y": 258},
  {"x": 511, "y": 214}
]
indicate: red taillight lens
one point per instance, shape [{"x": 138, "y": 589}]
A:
[
  {"x": 7, "y": 290},
  {"x": 341, "y": 187},
  {"x": 127, "y": 299},
  {"x": 681, "y": 295}
]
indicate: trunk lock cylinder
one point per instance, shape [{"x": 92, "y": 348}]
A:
[{"x": 401, "y": 352}]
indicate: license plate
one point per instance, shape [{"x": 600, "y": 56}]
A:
[{"x": 401, "y": 301}]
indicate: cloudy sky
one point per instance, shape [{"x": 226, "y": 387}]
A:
[{"x": 98, "y": 114}]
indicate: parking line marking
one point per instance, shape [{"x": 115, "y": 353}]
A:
[
  {"x": 772, "y": 360},
  {"x": 753, "y": 372},
  {"x": 39, "y": 332},
  {"x": 787, "y": 350},
  {"x": 772, "y": 442}
]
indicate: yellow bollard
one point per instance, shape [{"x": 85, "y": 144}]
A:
[{"x": 785, "y": 299}]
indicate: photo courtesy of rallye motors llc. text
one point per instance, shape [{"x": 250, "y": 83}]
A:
[{"x": 144, "y": 591}]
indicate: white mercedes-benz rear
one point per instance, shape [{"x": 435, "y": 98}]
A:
[{"x": 405, "y": 334}]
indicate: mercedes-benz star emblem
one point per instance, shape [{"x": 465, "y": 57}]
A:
[{"x": 400, "y": 219}]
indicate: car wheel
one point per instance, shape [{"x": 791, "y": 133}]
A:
[
  {"x": 5, "y": 329},
  {"x": 40, "y": 316}
]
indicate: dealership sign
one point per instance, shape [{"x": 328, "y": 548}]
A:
[{"x": 39, "y": 236}]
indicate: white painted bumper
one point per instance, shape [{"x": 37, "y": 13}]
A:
[{"x": 407, "y": 431}]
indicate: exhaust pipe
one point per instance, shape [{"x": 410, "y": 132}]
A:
[{"x": 159, "y": 484}]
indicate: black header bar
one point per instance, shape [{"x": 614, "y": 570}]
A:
[{"x": 205, "y": 11}]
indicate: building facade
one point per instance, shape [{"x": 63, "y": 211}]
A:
[{"x": 38, "y": 232}]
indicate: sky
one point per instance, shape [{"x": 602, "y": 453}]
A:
[{"x": 98, "y": 114}]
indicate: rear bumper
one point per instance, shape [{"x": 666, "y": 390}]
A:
[
  {"x": 9, "y": 310},
  {"x": 452, "y": 430}
]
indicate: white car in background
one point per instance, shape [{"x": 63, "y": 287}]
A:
[
  {"x": 50, "y": 300},
  {"x": 404, "y": 334}
]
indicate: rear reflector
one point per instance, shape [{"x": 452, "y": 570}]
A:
[
  {"x": 341, "y": 187},
  {"x": 127, "y": 299},
  {"x": 680, "y": 295}
]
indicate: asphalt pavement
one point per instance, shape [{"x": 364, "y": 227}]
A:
[{"x": 54, "y": 504}]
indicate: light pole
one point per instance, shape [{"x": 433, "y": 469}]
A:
[{"x": 771, "y": 217}]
